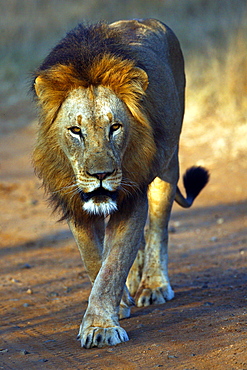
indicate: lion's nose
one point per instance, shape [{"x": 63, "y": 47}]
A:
[{"x": 100, "y": 175}]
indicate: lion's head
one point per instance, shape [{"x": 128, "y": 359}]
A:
[
  {"x": 95, "y": 144},
  {"x": 93, "y": 132}
]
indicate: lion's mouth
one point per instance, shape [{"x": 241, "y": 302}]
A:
[
  {"x": 99, "y": 195},
  {"x": 100, "y": 202}
]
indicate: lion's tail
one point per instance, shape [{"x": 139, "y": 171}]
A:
[{"x": 194, "y": 179}]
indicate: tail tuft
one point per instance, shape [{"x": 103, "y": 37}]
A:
[{"x": 195, "y": 178}]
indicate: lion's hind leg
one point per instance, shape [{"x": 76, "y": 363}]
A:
[{"x": 155, "y": 287}]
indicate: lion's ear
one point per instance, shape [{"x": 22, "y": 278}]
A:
[
  {"x": 141, "y": 77},
  {"x": 38, "y": 86}
]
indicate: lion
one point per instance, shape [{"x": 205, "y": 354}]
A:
[{"x": 111, "y": 100}]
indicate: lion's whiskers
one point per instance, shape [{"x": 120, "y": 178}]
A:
[
  {"x": 126, "y": 183},
  {"x": 73, "y": 188}
]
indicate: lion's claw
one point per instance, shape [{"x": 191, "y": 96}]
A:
[{"x": 101, "y": 337}]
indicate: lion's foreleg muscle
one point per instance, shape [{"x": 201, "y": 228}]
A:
[
  {"x": 89, "y": 238},
  {"x": 155, "y": 286},
  {"x": 100, "y": 326}
]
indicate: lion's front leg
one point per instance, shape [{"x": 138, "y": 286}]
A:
[
  {"x": 100, "y": 326},
  {"x": 89, "y": 239}
]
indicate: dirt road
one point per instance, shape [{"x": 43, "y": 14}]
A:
[{"x": 44, "y": 288}]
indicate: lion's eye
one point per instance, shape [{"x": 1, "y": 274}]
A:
[
  {"x": 75, "y": 130},
  {"x": 115, "y": 127}
]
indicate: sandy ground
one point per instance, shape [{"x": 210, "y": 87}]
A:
[{"x": 44, "y": 287}]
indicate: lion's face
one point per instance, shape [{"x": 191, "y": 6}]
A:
[{"x": 93, "y": 128}]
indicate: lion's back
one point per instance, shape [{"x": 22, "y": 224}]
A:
[
  {"x": 157, "y": 51},
  {"x": 156, "y": 47}
]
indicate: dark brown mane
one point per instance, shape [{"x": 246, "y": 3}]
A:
[
  {"x": 94, "y": 55},
  {"x": 84, "y": 46}
]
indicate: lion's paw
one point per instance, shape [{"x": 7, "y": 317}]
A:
[
  {"x": 101, "y": 337},
  {"x": 148, "y": 296}
]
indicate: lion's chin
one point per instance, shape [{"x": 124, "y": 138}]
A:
[{"x": 101, "y": 208}]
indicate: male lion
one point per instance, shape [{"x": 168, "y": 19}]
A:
[{"x": 112, "y": 104}]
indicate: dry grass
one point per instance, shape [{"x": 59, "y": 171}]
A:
[
  {"x": 212, "y": 33},
  {"x": 217, "y": 82}
]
